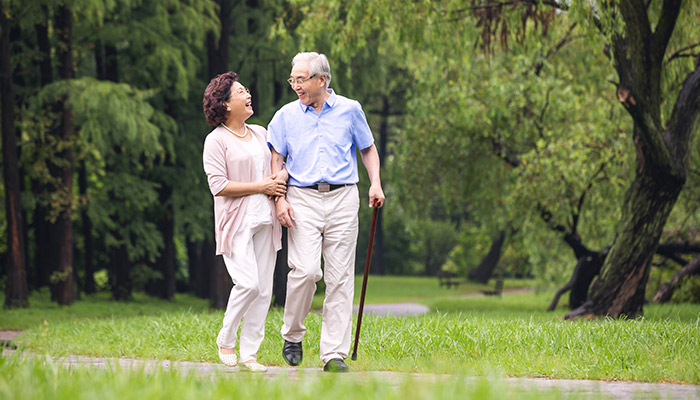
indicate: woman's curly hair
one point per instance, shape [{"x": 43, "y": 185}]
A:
[{"x": 217, "y": 92}]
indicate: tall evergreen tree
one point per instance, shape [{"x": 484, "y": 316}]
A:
[
  {"x": 61, "y": 230},
  {"x": 16, "y": 293}
]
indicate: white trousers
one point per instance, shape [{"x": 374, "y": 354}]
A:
[
  {"x": 251, "y": 267},
  {"x": 325, "y": 223}
]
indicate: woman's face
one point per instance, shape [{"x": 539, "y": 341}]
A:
[{"x": 239, "y": 104}]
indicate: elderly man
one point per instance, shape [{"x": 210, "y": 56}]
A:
[{"x": 319, "y": 135}]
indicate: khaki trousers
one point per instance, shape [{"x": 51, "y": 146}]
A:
[
  {"x": 251, "y": 266},
  {"x": 325, "y": 223}
]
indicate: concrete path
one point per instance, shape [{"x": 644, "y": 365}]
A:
[
  {"x": 409, "y": 308},
  {"x": 581, "y": 388},
  {"x": 395, "y": 309}
]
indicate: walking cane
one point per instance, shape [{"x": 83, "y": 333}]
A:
[{"x": 364, "y": 280}]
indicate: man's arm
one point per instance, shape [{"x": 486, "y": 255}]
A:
[
  {"x": 277, "y": 165},
  {"x": 370, "y": 158}
]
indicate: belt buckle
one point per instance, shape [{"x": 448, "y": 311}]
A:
[{"x": 324, "y": 187}]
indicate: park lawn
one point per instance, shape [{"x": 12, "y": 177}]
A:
[
  {"x": 380, "y": 289},
  {"x": 477, "y": 336}
]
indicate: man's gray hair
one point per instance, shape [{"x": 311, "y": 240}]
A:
[{"x": 318, "y": 64}]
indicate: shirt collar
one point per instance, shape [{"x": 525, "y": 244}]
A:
[{"x": 330, "y": 101}]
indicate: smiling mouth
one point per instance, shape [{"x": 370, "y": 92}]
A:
[{"x": 248, "y": 104}]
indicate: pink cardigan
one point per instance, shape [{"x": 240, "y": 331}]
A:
[{"x": 226, "y": 159}]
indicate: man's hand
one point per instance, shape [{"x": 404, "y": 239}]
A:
[
  {"x": 376, "y": 194},
  {"x": 285, "y": 214}
]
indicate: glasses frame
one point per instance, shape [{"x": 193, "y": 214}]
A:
[
  {"x": 243, "y": 90},
  {"x": 300, "y": 81}
]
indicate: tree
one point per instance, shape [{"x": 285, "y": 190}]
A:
[
  {"x": 640, "y": 34},
  {"x": 61, "y": 230},
  {"x": 16, "y": 293}
]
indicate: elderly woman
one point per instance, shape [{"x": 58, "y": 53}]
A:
[{"x": 248, "y": 235}]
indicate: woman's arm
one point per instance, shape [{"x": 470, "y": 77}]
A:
[{"x": 271, "y": 186}]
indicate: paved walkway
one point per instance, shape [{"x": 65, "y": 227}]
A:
[
  {"x": 408, "y": 308},
  {"x": 395, "y": 309},
  {"x": 582, "y": 388}
]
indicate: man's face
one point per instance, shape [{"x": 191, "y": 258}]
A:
[{"x": 308, "y": 88}]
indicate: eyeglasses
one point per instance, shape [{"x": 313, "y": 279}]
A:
[
  {"x": 299, "y": 81},
  {"x": 243, "y": 90}
]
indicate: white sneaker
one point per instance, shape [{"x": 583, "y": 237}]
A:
[
  {"x": 252, "y": 366},
  {"x": 229, "y": 359}
]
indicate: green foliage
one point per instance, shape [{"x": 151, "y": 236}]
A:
[{"x": 490, "y": 136}]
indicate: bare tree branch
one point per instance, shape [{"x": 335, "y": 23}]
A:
[{"x": 681, "y": 52}]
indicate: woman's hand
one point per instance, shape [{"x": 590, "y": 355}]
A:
[{"x": 273, "y": 186}]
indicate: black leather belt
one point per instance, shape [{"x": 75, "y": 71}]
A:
[{"x": 323, "y": 187}]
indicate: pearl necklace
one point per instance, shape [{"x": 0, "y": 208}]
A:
[{"x": 245, "y": 132}]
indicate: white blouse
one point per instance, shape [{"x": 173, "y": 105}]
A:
[{"x": 258, "y": 210}]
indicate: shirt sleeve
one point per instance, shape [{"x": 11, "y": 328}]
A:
[
  {"x": 277, "y": 134},
  {"x": 361, "y": 133},
  {"x": 214, "y": 159}
]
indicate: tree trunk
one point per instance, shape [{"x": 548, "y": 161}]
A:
[
  {"x": 666, "y": 290},
  {"x": 195, "y": 269},
  {"x": 43, "y": 251},
  {"x": 587, "y": 268},
  {"x": 279, "y": 284},
  {"x": 619, "y": 290},
  {"x": 208, "y": 262},
  {"x": 89, "y": 256},
  {"x": 16, "y": 292},
  {"x": 62, "y": 229},
  {"x": 488, "y": 264},
  {"x": 119, "y": 272},
  {"x": 164, "y": 287},
  {"x": 221, "y": 284}
]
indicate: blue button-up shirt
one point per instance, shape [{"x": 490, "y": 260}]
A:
[{"x": 320, "y": 147}]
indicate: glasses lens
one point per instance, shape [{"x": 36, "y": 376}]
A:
[{"x": 299, "y": 81}]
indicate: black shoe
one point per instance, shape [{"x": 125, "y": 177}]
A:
[
  {"x": 292, "y": 353},
  {"x": 336, "y": 365}
]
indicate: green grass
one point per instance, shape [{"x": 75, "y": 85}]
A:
[
  {"x": 475, "y": 336},
  {"x": 380, "y": 289},
  {"x": 92, "y": 306},
  {"x": 33, "y": 379}
]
